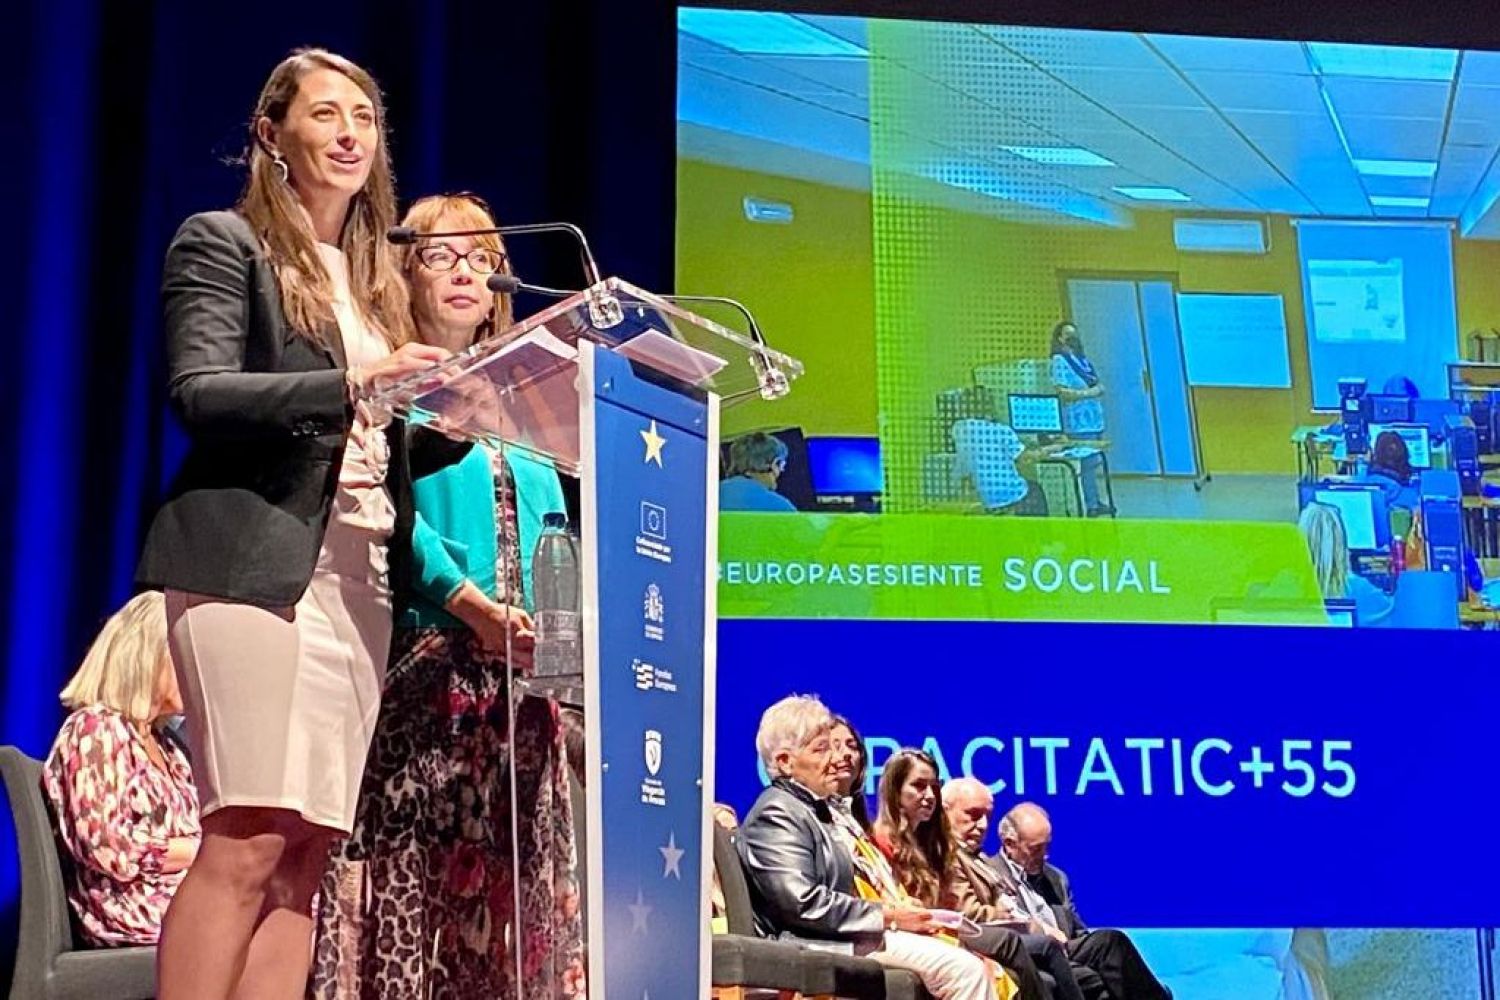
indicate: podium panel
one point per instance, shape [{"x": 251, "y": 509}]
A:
[
  {"x": 650, "y": 517},
  {"x": 620, "y": 389}
]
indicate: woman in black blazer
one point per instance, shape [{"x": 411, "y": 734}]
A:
[{"x": 279, "y": 541}]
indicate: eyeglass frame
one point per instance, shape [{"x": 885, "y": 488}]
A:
[{"x": 467, "y": 256}]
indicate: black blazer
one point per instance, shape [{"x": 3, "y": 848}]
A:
[
  {"x": 801, "y": 879},
  {"x": 268, "y": 417}
]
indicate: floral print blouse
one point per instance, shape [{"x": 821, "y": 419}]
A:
[{"x": 115, "y": 812}]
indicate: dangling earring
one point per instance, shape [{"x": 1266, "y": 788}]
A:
[{"x": 279, "y": 162}]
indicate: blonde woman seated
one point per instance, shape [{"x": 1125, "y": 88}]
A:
[
  {"x": 1328, "y": 544},
  {"x": 121, "y": 791}
]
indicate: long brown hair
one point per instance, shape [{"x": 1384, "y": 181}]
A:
[
  {"x": 464, "y": 210},
  {"x": 270, "y": 205},
  {"x": 859, "y": 806},
  {"x": 922, "y": 854}
]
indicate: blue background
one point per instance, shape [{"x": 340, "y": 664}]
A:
[{"x": 1419, "y": 708}]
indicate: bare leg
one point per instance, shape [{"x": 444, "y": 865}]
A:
[
  {"x": 281, "y": 950},
  {"x": 233, "y": 885}
]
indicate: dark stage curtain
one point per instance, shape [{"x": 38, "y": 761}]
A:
[{"x": 128, "y": 112}]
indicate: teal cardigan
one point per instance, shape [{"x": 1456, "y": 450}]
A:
[{"x": 454, "y": 538}]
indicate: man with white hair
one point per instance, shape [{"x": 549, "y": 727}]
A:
[
  {"x": 1044, "y": 896},
  {"x": 801, "y": 877}
]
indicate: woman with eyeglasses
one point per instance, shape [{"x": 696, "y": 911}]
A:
[
  {"x": 420, "y": 902},
  {"x": 281, "y": 546}
]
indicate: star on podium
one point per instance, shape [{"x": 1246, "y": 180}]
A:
[
  {"x": 654, "y": 444},
  {"x": 672, "y": 858},
  {"x": 639, "y": 913}
]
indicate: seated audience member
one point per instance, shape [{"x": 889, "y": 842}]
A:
[
  {"x": 1041, "y": 893},
  {"x": 574, "y": 747},
  {"x": 800, "y": 869},
  {"x": 849, "y": 773},
  {"x": 1390, "y": 469},
  {"x": 1322, "y": 528},
  {"x": 756, "y": 462},
  {"x": 1400, "y": 385},
  {"x": 991, "y": 455},
  {"x": 121, "y": 791},
  {"x": 874, "y": 877},
  {"x": 725, "y": 818},
  {"x": 912, "y": 831}
]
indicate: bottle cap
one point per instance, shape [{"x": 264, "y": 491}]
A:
[{"x": 555, "y": 519}]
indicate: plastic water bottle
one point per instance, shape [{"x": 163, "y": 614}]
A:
[{"x": 554, "y": 582}]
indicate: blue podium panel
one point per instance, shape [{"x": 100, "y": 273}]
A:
[{"x": 647, "y": 520}]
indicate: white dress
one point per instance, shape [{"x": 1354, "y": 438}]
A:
[{"x": 281, "y": 703}]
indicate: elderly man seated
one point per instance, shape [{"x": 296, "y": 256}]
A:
[
  {"x": 1018, "y": 886},
  {"x": 801, "y": 876}
]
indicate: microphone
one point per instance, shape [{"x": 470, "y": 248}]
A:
[
  {"x": 407, "y": 235},
  {"x": 509, "y": 284},
  {"x": 772, "y": 383}
]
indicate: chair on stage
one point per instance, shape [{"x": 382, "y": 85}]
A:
[
  {"x": 744, "y": 963},
  {"x": 50, "y": 964}
]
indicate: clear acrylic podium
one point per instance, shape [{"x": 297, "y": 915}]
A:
[{"x": 620, "y": 390}]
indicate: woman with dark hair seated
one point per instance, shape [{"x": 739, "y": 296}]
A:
[
  {"x": 873, "y": 873},
  {"x": 912, "y": 831},
  {"x": 1390, "y": 469}
]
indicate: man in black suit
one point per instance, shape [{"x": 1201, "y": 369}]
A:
[{"x": 1111, "y": 964}]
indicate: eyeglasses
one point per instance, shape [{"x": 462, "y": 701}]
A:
[{"x": 482, "y": 260}]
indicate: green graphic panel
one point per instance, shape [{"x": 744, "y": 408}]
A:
[{"x": 937, "y": 566}]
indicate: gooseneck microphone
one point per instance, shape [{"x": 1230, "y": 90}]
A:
[
  {"x": 509, "y": 284},
  {"x": 407, "y": 235}
]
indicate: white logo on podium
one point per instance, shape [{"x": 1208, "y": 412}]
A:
[
  {"x": 656, "y": 613},
  {"x": 651, "y": 541},
  {"x": 653, "y": 751},
  {"x": 653, "y": 791}
]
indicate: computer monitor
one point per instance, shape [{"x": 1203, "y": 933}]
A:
[
  {"x": 1035, "y": 414},
  {"x": 1435, "y": 413},
  {"x": 1390, "y": 409},
  {"x": 1418, "y": 440},
  {"x": 845, "y": 466},
  {"x": 1362, "y": 509}
]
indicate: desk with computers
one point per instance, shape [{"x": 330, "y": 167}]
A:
[
  {"x": 1037, "y": 419},
  {"x": 1443, "y": 450}
]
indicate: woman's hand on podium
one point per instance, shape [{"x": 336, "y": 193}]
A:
[
  {"x": 408, "y": 359},
  {"x": 495, "y": 624}
]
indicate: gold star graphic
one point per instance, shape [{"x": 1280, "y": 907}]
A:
[{"x": 654, "y": 444}]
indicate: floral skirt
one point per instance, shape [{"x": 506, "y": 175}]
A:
[{"x": 419, "y": 901}]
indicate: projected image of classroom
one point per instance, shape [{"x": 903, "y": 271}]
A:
[{"x": 1113, "y": 276}]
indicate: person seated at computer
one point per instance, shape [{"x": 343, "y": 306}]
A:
[
  {"x": 1390, "y": 469},
  {"x": 1076, "y": 381},
  {"x": 912, "y": 831},
  {"x": 121, "y": 789},
  {"x": 1328, "y": 544},
  {"x": 799, "y": 865},
  {"x": 1400, "y": 385},
  {"x": 756, "y": 462},
  {"x": 992, "y": 456}
]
